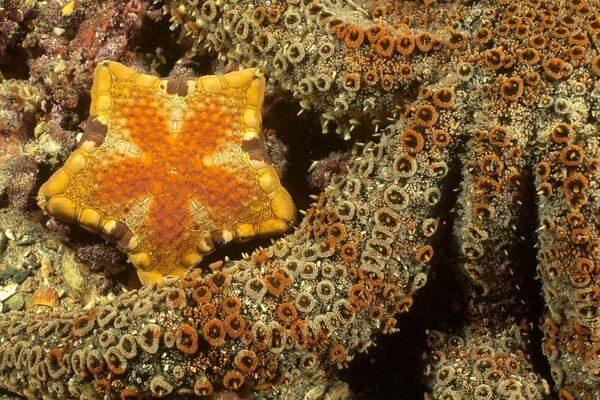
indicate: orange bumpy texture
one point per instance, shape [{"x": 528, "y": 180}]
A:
[{"x": 170, "y": 168}]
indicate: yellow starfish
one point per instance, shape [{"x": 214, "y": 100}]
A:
[{"x": 171, "y": 168}]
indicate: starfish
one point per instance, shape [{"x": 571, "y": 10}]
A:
[{"x": 171, "y": 168}]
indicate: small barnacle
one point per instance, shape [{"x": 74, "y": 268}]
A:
[
  {"x": 160, "y": 387},
  {"x": 325, "y": 290},
  {"x": 54, "y": 363},
  {"x": 295, "y": 53},
  {"x": 387, "y": 82},
  {"x": 326, "y": 50},
  {"x": 94, "y": 362},
  {"x": 308, "y": 271},
  {"x": 491, "y": 165},
  {"x": 388, "y": 219},
  {"x": 577, "y": 52},
  {"x": 488, "y": 187},
  {"x": 425, "y": 115},
  {"x": 279, "y": 63},
  {"x": 396, "y": 197},
  {"x": 78, "y": 361},
  {"x": 214, "y": 332},
  {"x": 412, "y": 141},
  {"x": 529, "y": 55},
  {"x": 359, "y": 295},
  {"x": 575, "y": 219},
  {"x": 351, "y": 82},
  {"x": 106, "y": 338},
  {"x": 499, "y": 136},
  {"x": 243, "y": 29},
  {"x": 127, "y": 346},
  {"x": 186, "y": 339},
  {"x": 259, "y": 15},
  {"x": 445, "y": 375},
  {"x": 512, "y": 88},
  {"x": 234, "y": 325},
  {"x": 336, "y": 233},
  {"x": 494, "y": 58},
  {"x": 115, "y": 361},
  {"x": 343, "y": 312},
  {"x": 105, "y": 315},
  {"x": 438, "y": 169},
  {"x": 142, "y": 306},
  {"x": 571, "y": 155},
  {"x": 149, "y": 338},
  {"x": 374, "y": 32},
  {"x": 337, "y": 353},
  {"x": 291, "y": 20},
  {"x": 218, "y": 281},
  {"x": 305, "y": 302},
  {"x": 432, "y": 195},
  {"x": 405, "y": 71},
  {"x": 424, "y": 41},
  {"x": 405, "y": 166},
  {"x": 304, "y": 87},
  {"x": 255, "y": 289},
  {"x": 561, "y": 133},
  {"x": 444, "y": 97},
  {"x": 472, "y": 250},
  {"x": 456, "y": 39},
  {"x": 562, "y": 106},
  {"x": 354, "y": 36},
  {"x": 476, "y": 232},
  {"x": 201, "y": 295},
  {"x": 483, "y": 36},
  {"x": 231, "y": 304},
  {"x": 555, "y": 67},
  {"x": 83, "y": 325},
  {"x": 385, "y": 45},
  {"x": 429, "y": 227},
  {"x": 35, "y": 357},
  {"x": 424, "y": 254},
  {"x": 246, "y": 361},
  {"x": 287, "y": 312},
  {"x": 209, "y": 10},
  {"x": 349, "y": 252},
  {"x": 579, "y": 236},
  {"x": 175, "y": 297},
  {"x": 203, "y": 387},
  {"x": 264, "y": 41},
  {"x": 101, "y": 385},
  {"x": 371, "y": 77},
  {"x": 405, "y": 44}
]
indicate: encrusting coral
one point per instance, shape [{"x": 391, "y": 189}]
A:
[
  {"x": 504, "y": 97},
  {"x": 171, "y": 168}
]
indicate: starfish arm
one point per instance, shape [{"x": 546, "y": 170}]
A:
[
  {"x": 203, "y": 321},
  {"x": 568, "y": 238}
]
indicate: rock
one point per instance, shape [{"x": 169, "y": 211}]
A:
[
  {"x": 46, "y": 296},
  {"x": 7, "y": 273},
  {"x": 16, "y": 302},
  {"x": 7, "y": 291},
  {"x": 20, "y": 276}
]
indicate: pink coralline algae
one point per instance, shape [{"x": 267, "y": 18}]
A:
[{"x": 475, "y": 133}]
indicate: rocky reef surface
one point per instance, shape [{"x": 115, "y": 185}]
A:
[{"x": 473, "y": 129}]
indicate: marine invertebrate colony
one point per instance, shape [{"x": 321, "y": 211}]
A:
[
  {"x": 171, "y": 168},
  {"x": 503, "y": 96}
]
